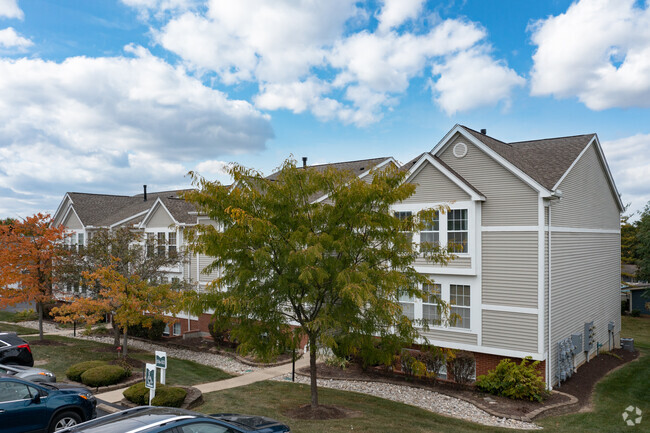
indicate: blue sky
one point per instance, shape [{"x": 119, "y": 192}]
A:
[{"x": 105, "y": 96}]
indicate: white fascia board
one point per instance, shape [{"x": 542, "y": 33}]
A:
[
  {"x": 71, "y": 209},
  {"x": 128, "y": 219},
  {"x": 498, "y": 158},
  {"x": 60, "y": 207},
  {"x": 362, "y": 175},
  {"x": 451, "y": 176},
  {"x": 596, "y": 143},
  {"x": 483, "y": 349},
  {"x": 152, "y": 210}
]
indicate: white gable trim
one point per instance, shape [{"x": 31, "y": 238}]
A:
[
  {"x": 153, "y": 209},
  {"x": 129, "y": 218},
  {"x": 442, "y": 145},
  {"x": 362, "y": 175},
  {"x": 451, "y": 176},
  {"x": 599, "y": 150},
  {"x": 71, "y": 209},
  {"x": 60, "y": 208}
]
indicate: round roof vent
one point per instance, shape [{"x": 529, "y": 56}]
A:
[{"x": 460, "y": 150}]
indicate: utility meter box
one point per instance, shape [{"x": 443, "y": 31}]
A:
[{"x": 590, "y": 336}]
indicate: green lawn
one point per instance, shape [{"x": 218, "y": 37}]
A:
[
  {"x": 59, "y": 358},
  {"x": 20, "y": 330},
  {"x": 628, "y": 386}
]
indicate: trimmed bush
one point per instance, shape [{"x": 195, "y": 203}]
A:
[
  {"x": 463, "y": 368},
  {"x": 103, "y": 375},
  {"x": 412, "y": 363},
  {"x": 154, "y": 332},
  {"x": 517, "y": 381},
  {"x": 75, "y": 371},
  {"x": 169, "y": 396}
]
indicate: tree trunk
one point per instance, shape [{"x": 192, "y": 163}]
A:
[
  {"x": 312, "y": 371},
  {"x": 39, "y": 307},
  {"x": 116, "y": 334},
  {"x": 124, "y": 345}
]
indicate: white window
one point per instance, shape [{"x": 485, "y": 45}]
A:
[
  {"x": 430, "y": 312},
  {"x": 403, "y": 215},
  {"x": 408, "y": 305},
  {"x": 442, "y": 374},
  {"x": 177, "y": 328},
  {"x": 166, "y": 330},
  {"x": 457, "y": 230},
  {"x": 150, "y": 244},
  {"x": 171, "y": 244},
  {"x": 430, "y": 234},
  {"x": 161, "y": 244},
  {"x": 459, "y": 298}
]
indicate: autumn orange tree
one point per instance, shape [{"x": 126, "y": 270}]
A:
[
  {"x": 29, "y": 250},
  {"x": 129, "y": 298}
]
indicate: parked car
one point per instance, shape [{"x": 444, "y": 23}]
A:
[
  {"x": 149, "y": 419},
  {"x": 42, "y": 407},
  {"x": 15, "y": 350},
  {"x": 32, "y": 374}
]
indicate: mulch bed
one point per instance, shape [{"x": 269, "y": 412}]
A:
[
  {"x": 580, "y": 386},
  {"x": 322, "y": 412}
]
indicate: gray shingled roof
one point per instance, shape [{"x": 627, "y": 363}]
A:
[
  {"x": 544, "y": 160},
  {"x": 104, "y": 210},
  {"x": 358, "y": 167}
]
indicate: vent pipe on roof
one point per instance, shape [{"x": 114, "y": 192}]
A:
[
  {"x": 145, "y": 192},
  {"x": 304, "y": 162},
  {"x": 484, "y": 131}
]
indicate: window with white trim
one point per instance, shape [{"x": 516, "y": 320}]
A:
[
  {"x": 171, "y": 244},
  {"x": 430, "y": 233},
  {"x": 403, "y": 215},
  {"x": 166, "y": 330},
  {"x": 151, "y": 244},
  {"x": 161, "y": 244},
  {"x": 430, "y": 307},
  {"x": 459, "y": 299},
  {"x": 177, "y": 328},
  {"x": 457, "y": 235},
  {"x": 408, "y": 305},
  {"x": 80, "y": 242}
]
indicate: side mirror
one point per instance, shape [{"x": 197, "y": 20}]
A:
[{"x": 36, "y": 399}]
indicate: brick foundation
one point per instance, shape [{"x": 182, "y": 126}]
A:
[{"x": 486, "y": 362}]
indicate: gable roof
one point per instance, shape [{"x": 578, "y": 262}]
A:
[
  {"x": 359, "y": 167},
  {"x": 545, "y": 160}
]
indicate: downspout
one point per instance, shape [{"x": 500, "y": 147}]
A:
[{"x": 555, "y": 195}]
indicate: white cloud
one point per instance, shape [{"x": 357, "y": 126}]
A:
[
  {"x": 303, "y": 56},
  {"x": 472, "y": 79},
  {"x": 10, "y": 39},
  {"x": 629, "y": 162},
  {"x": 10, "y": 9},
  {"x": 597, "y": 51},
  {"x": 395, "y": 12},
  {"x": 106, "y": 124},
  {"x": 160, "y": 7}
]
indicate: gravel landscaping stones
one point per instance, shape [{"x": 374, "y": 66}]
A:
[{"x": 428, "y": 400}]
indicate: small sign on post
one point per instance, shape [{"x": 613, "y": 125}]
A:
[
  {"x": 150, "y": 380},
  {"x": 161, "y": 362}
]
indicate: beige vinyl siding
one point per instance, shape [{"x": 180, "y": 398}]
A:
[
  {"x": 450, "y": 336},
  {"x": 203, "y": 262},
  {"x": 510, "y": 268},
  {"x": 72, "y": 222},
  {"x": 585, "y": 284},
  {"x": 193, "y": 269},
  {"x": 546, "y": 235},
  {"x": 434, "y": 187},
  {"x": 464, "y": 262},
  {"x": 509, "y": 330},
  {"x": 160, "y": 218},
  {"x": 587, "y": 199},
  {"x": 509, "y": 201}
]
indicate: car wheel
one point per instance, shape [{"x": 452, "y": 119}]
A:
[{"x": 63, "y": 420}]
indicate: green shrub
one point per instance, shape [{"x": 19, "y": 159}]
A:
[
  {"x": 165, "y": 395},
  {"x": 103, "y": 375},
  {"x": 517, "y": 381},
  {"x": 412, "y": 363},
  {"x": 220, "y": 327},
  {"x": 25, "y": 315},
  {"x": 463, "y": 367},
  {"x": 153, "y": 332},
  {"x": 74, "y": 372},
  {"x": 635, "y": 313}
]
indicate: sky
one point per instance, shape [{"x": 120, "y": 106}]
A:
[{"x": 104, "y": 96}]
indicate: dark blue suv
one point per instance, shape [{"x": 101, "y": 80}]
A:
[{"x": 45, "y": 407}]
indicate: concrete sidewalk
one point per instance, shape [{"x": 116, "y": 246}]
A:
[{"x": 243, "y": 380}]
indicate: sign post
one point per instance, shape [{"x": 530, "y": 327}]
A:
[
  {"x": 150, "y": 380},
  {"x": 161, "y": 362}
]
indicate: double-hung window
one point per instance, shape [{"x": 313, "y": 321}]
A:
[
  {"x": 151, "y": 244},
  {"x": 162, "y": 243},
  {"x": 171, "y": 244},
  {"x": 459, "y": 298},
  {"x": 430, "y": 309},
  {"x": 80, "y": 242},
  {"x": 430, "y": 234},
  {"x": 457, "y": 230},
  {"x": 408, "y": 305},
  {"x": 404, "y": 215}
]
